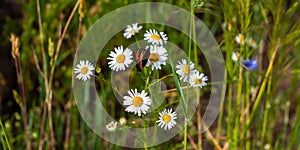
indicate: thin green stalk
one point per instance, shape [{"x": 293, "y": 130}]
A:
[
  {"x": 229, "y": 115},
  {"x": 60, "y": 40},
  {"x": 137, "y": 42},
  {"x": 262, "y": 88},
  {"x": 235, "y": 135},
  {"x": 2, "y": 141},
  {"x": 48, "y": 79},
  {"x": 229, "y": 46},
  {"x": 294, "y": 137},
  {"x": 144, "y": 132},
  {"x": 145, "y": 146},
  {"x": 266, "y": 113},
  {"x": 179, "y": 89},
  {"x": 276, "y": 20},
  {"x": 146, "y": 73},
  {"x": 158, "y": 80},
  {"x": 171, "y": 103},
  {"x": 285, "y": 124},
  {"x": 3, "y": 132},
  {"x": 199, "y": 122},
  {"x": 196, "y": 65},
  {"x": 185, "y": 134},
  {"x": 220, "y": 118},
  {"x": 243, "y": 15},
  {"x": 44, "y": 73},
  {"x": 236, "y": 108},
  {"x": 244, "y": 105},
  {"x": 83, "y": 135},
  {"x": 189, "y": 56}
]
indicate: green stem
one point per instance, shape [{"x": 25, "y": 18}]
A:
[
  {"x": 137, "y": 42},
  {"x": 185, "y": 134},
  {"x": 247, "y": 100},
  {"x": 145, "y": 146},
  {"x": 144, "y": 121},
  {"x": 263, "y": 86},
  {"x": 3, "y": 132},
  {"x": 189, "y": 56},
  {"x": 285, "y": 124},
  {"x": 266, "y": 113},
  {"x": 220, "y": 118},
  {"x": 158, "y": 80},
  {"x": 236, "y": 110}
]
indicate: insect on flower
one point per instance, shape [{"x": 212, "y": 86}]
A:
[{"x": 141, "y": 57}]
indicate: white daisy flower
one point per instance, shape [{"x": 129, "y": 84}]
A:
[
  {"x": 120, "y": 59},
  {"x": 167, "y": 119},
  {"x": 153, "y": 37},
  {"x": 137, "y": 103},
  {"x": 235, "y": 56},
  {"x": 158, "y": 56},
  {"x": 84, "y": 70},
  {"x": 252, "y": 43},
  {"x": 198, "y": 79},
  {"x": 184, "y": 70},
  {"x": 240, "y": 39},
  {"x": 131, "y": 30},
  {"x": 112, "y": 126}
]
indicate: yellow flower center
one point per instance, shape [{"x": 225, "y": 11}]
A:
[
  {"x": 166, "y": 118},
  {"x": 242, "y": 38},
  {"x": 120, "y": 58},
  {"x": 155, "y": 37},
  {"x": 137, "y": 101},
  {"x": 252, "y": 42},
  {"x": 84, "y": 70},
  {"x": 154, "y": 57},
  {"x": 229, "y": 26},
  {"x": 198, "y": 81},
  {"x": 186, "y": 69},
  {"x": 111, "y": 126},
  {"x": 132, "y": 31}
]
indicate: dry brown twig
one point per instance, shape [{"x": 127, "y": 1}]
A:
[
  {"x": 211, "y": 137},
  {"x": 49, "y": 78},
  {"x": 15, "y": 52}
]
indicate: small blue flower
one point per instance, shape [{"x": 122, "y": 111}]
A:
[{"x": 250, "y": 64}]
